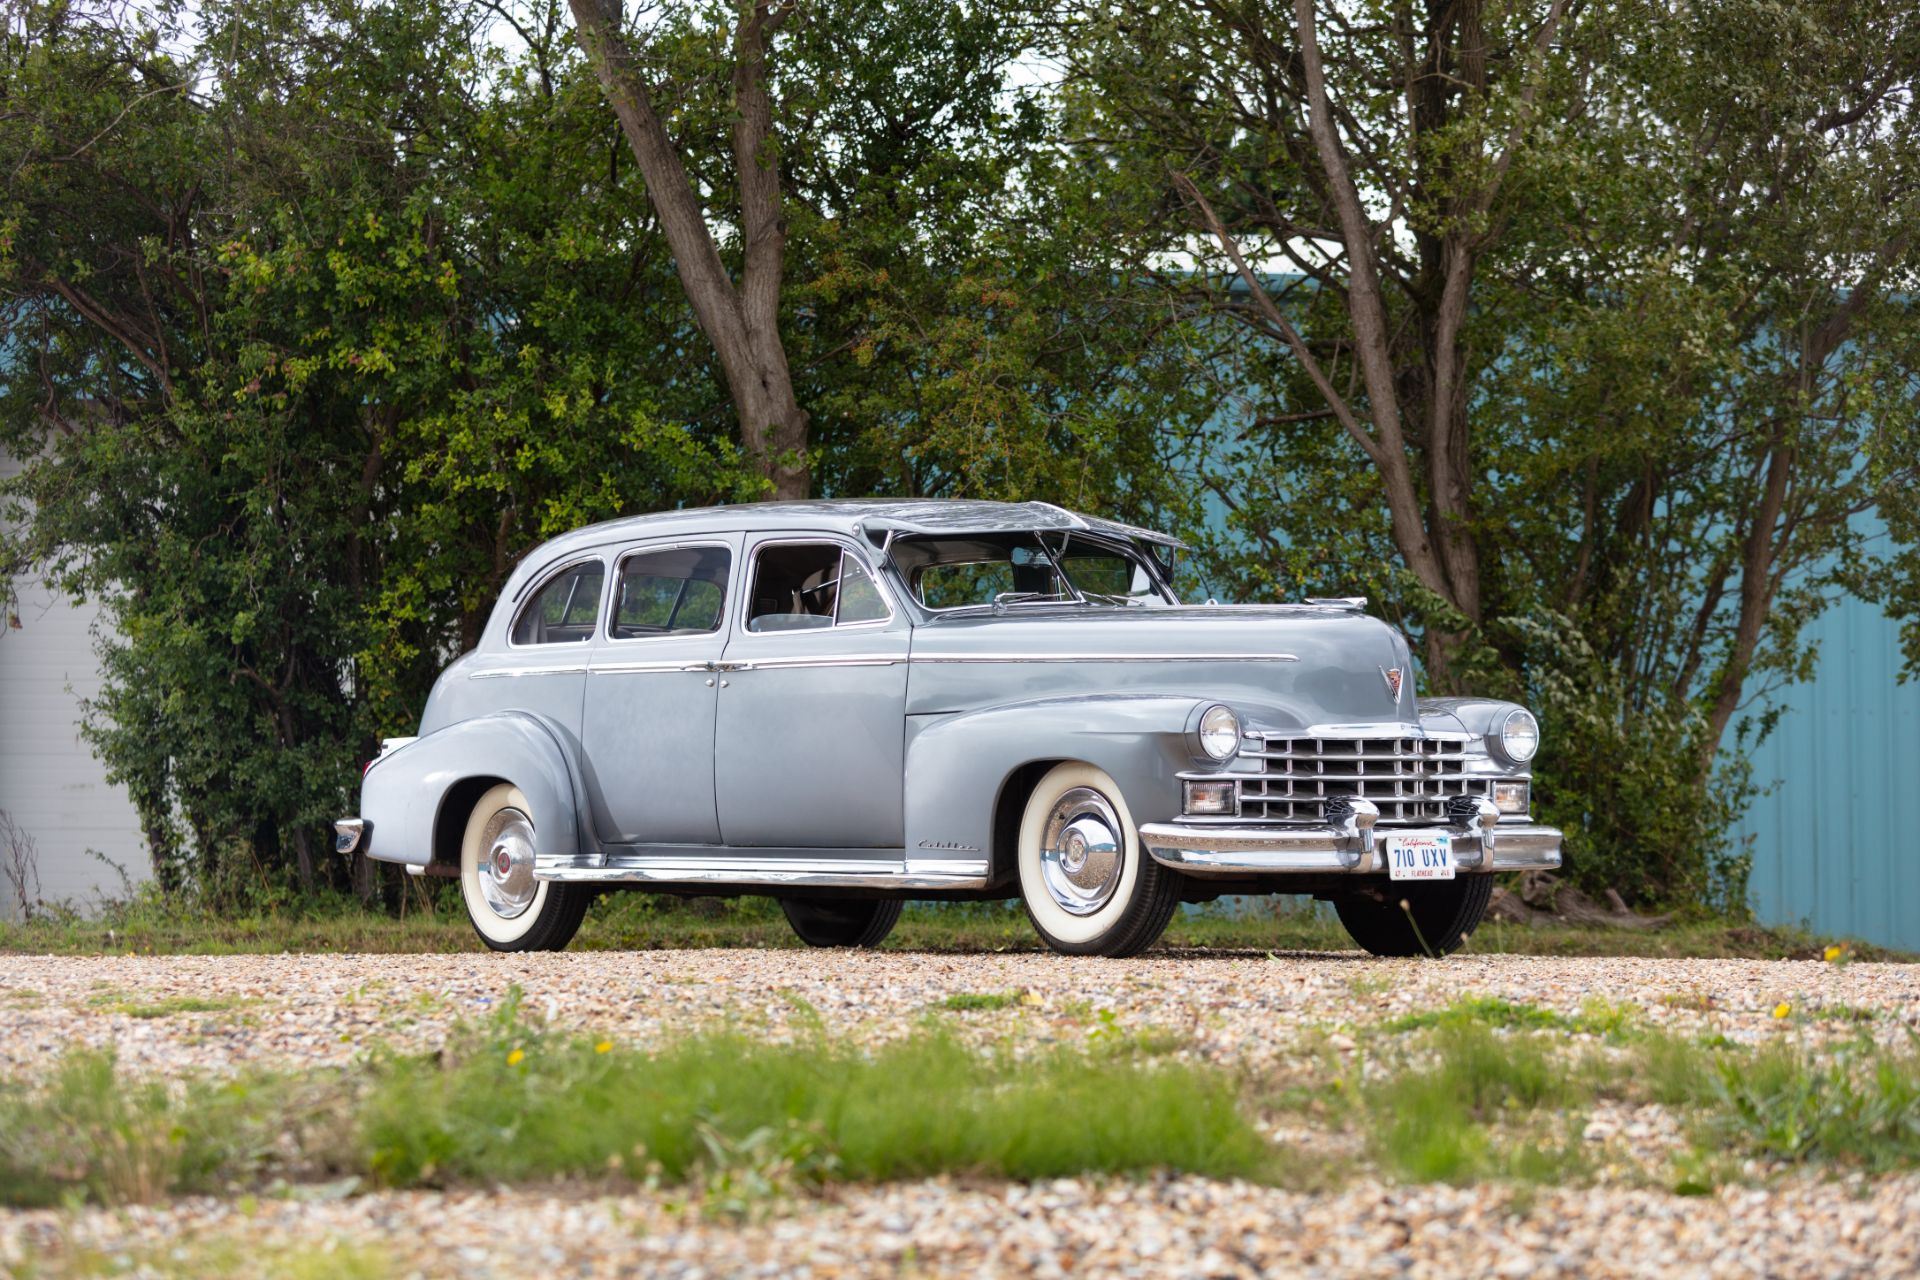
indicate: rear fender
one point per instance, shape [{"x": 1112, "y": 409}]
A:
[{"x": 403, "y": 794}]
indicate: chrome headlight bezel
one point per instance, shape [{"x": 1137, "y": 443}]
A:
[
  {"x": 1516, "y": 738},
  {"x": 1217, "y": 733}
]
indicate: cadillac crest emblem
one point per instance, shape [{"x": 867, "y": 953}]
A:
[{"x": 1392, "y": 676}]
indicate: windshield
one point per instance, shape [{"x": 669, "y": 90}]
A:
[{"x": 1024, "y": 568}]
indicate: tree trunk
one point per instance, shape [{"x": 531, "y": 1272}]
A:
[{"x": 742, "y": 322}]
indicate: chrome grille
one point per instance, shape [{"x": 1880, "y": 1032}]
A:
[{"x": 1410, "y": 779}]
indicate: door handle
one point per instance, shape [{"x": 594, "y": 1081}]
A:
[{"x": 730, "y": 666}]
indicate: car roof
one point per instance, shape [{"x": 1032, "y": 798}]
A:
[{"x": 854, "y": 517}]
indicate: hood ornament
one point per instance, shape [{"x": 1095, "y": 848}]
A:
[{"x": 1392, "y": 676}]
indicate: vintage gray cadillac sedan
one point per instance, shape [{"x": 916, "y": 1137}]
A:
[{"x": 850, "y": 704}]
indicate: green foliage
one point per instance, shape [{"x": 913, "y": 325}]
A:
[
  {"x": 324, "y": 346},
  {"x": 1689, "y": 353},
  {"x": 740, "y": 1121},
  {"x": 92, "y": 1130},
  {"x": 968, "y": 1001},
  {"x": 1857, "y": 1105},
  {"x": 327, "y": 311},
  {"x": 1435, "y": 1122},
  {"x": 826, "y": 1109},
  {"x": 319, "y": 314}
]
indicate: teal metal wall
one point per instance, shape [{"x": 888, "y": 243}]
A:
[{"x": 1828, "y": 849}]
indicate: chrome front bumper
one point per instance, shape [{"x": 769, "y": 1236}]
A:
[{"x": 1203, "y": 850}]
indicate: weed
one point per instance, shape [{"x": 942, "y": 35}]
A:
[
  {"x": 1485, "y": 1011},
  {"x": 1368, "y": 985},
  {"x": 194, "y": 1260},
  {"x": 169, "y": 1006},
  {"x": 1858, "y": 1104},
  {"x": 922, "y": 1105},
  {"x": 966, "y": 1001},
  {"x": 740, "y": 1122},
  {"x": 116, "y": 1140},
  {"x": 1435, "y": 1121}
]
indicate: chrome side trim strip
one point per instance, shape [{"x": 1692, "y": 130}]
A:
[
  {"x": 723, "y": 868},
  {"x": 836, "y": 660},
  {"x": 628, "y": 668},
  {"x": 1105, "y": 657},
  {"x": 500, "y": 673}
]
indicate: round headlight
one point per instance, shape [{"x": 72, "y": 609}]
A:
[
  {"x": 1519, "y": 736},
  {"x": 1219, "y": 733}
]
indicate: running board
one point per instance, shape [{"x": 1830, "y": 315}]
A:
[{"x": 812, "y": 873}]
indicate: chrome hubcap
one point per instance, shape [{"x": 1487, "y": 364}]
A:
[
  {"x": 1080, "y": 853},
  {"x": 506, "y": 869}
]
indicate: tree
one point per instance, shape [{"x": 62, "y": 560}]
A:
[
  {"x": 328, "y": 311},
  {"x": 322, "y": 323},
  {"x": 1632, "y": 283}
]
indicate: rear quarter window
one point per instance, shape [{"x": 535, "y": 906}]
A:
[{"x": 564, "y": 609}]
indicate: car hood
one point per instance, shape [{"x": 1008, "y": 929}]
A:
[{"x": 1283, "y": 667}]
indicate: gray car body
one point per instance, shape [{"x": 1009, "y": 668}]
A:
[{"x": 880, "y": 756}]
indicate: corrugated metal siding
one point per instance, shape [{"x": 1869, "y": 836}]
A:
[
  {"x": 49, "y": 781},
  {"x": 1827, "y": 850}
]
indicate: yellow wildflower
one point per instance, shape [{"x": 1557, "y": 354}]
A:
[
  {"x": 1782, "y": 1009},
  {"x": 605, "y": 1046},
  {"x": 1834, "y": 952},
  {"x": 517, "y": 1057}
]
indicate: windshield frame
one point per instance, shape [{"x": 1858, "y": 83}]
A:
[{"x": 1162, "y": 593}]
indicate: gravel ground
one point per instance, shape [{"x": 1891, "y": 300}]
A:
[
  {"x": 1237, "y": 1010},
  {"x": 1182, "y": 1227},
  {"x": 311, "y": 1009}
]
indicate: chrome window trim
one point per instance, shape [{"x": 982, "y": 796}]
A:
[
  {"x": 847, "y": 548},
  {"x": 499, "y": 673},
  {"x": 605, "y": 634},
  {"x": 536, "y": 585}
]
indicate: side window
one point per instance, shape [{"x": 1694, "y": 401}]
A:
[
  {"x": 860, "y": 600},
  {"x": 563, "y": 610},
  {"x": 671, "y": 592},
  {"x": 811, "y": 586}
]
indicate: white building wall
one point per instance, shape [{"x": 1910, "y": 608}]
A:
[{"x": 50, "y": 784}]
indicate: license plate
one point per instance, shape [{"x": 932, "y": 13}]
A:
[{"x": 1420, "y": 857}]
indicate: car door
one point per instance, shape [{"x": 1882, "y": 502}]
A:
[
  {"x": 812, "y": 702},
  {"x": 648, "y": 722}
]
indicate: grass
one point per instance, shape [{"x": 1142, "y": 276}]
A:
[
  {"x": 217, "y": 1256},
  {"x": 1485, "y": 1090},
  {"x": 967, "y": 1001},
  {"x": 1489, "y": 1088},
  {"x": 151, "y": 924},
  {"x": 736, "y": 1121},
  {"x": 1484, "y": 1106},
  {"x": 1596, "y": 1017},
  {"x": 167, "y": 1007}
]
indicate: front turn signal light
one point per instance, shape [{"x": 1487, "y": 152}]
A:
[{"x": 1512, "y": 797}]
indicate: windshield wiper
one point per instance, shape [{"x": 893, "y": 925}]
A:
[{"x": 1002, "y": 599}]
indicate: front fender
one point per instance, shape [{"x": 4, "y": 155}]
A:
[
  {"x": 402, "y": 795},
  {"x": 958, "y": 764}
]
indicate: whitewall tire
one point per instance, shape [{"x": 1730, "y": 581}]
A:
[
  {"x": 510, "y": 910},
  {"x": 1088, "y": 885}
]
